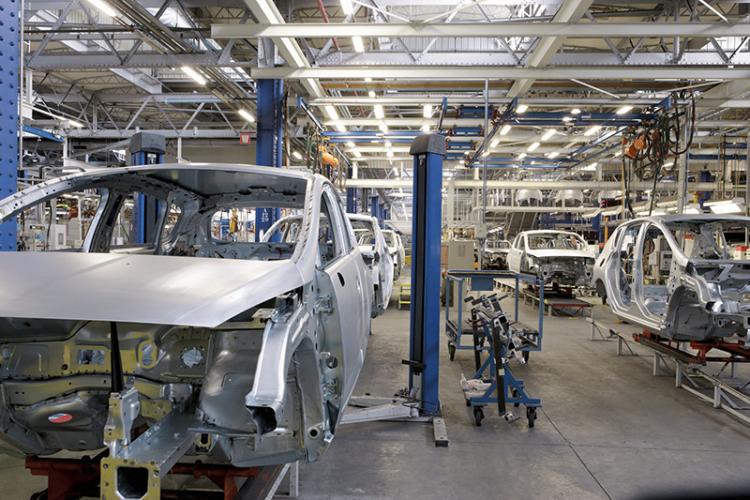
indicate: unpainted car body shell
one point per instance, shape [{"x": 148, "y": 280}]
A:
[
  {"x": 260, "y": 354},
  {"x": 702, "y": 299},
  {"x": 563, "y": 267}
]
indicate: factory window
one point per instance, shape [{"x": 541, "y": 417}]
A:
[{"x": 58, "y": 224}]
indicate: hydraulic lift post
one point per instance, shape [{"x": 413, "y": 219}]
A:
[{"x": 424, "y": 323}]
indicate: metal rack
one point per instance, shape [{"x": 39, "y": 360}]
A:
[
  {"x": 689, "y": 363},
  {"x": 483, "y": 280},
  {"x": 494, "y": 381}
]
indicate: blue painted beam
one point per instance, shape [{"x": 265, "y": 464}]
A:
[
  {"x": 270, "y": 139},
  {"x": 42, "y": 133},
  {"x": 9, "y": 63}
]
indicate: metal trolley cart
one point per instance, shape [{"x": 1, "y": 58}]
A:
[
  {"x": 483, "y": 281},
  {"x": 493, "y": 381}
]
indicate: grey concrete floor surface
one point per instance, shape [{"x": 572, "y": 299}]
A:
[{"x": 608, "y": 429}]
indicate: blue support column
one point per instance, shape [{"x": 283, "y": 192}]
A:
[
  {"x": 9, "y": 63},
  {"x": 146, "y": 149},
  {"x": 374, "y": 206},
  {"x": 424, "y": 325},
  {"x": 381, "y": 213},
  {"x": 351, "y": 196},
  {"x": 270, "y": 140}
]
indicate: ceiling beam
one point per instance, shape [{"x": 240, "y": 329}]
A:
[
  {"x": 489, "y": 72},
  {"x": 474, "y": 30},
  {"x": 510, "y": 184},
  {"x": 569, "y": 12}
]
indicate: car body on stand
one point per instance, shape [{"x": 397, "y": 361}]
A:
[
  {"x": 678, "y": 275},
  {"x": 227, "y": 350},
  {"x": 374, "y": 250},
  {"x": 396, "y": 251},
  {"x": 559, "y": 258}
]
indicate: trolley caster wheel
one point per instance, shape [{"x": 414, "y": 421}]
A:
[
  {"x": 478, "y": 416},
  {"x": 468, "y": 403},
  {"x": 40, "y": 495},
  {"x": 451, "y": 351},
  {"x": 514, "y": 394},
  {"x": 531, "y": 416}
]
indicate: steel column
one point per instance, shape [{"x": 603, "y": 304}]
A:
[
  {"x": 9, "y": 124},
  {"x": 270, "y": 139},
  {"x": 424, "y": 326},
  {"x": 146, "y": 149}
]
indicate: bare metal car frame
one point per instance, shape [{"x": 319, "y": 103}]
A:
[
  {"x": 233, "y": 353},
  {"x": 707, "y": 293}
]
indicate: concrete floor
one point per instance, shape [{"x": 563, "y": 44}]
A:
[{"x": 608, "y": 429}]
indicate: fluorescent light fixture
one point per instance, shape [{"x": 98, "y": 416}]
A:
[
  {"x": 389, "y": 154},
  {"x": 506, "y": 128},
  {"x": 592, "y": 130},
  {"x": 371, "y": 93},
  {"x": 383, "y": 127},
  {"x": 368, "y": 79},
  {"x": 358, "y": 43},
  {"x": 347, "y": 7},
  {"x": 618, "y": 154},
  {"x": 388, "y": 144},
  {"x": 379, "y": 111},
  {"x": 668, "y": 164},
  {"x": 350, "y": 144},
  {"x": 575, "y": 111},
  {"x": 246, "y": 115},
  {"x": 331, "y": 112},
  {"x": 548, "y": 134},
  {"x": 567, "y": 119},
  {"x": 427, "y": 111},
  {"x": 357, "y": 153},
  {"x": 297, "y": 155},
  {"x": 426, "y": 128},
  {"x": 104, "y": 7},
  {"x": 485, "y": 153},
  {"x": 495, "y": 142},
  {"x": 532, "y": 147},
  {"x": 340, "y": 127},
  {"x": 199, "y": 79},
  {"x": 553, "y": 155},
  {"x": 75, "y": 124},
  {"x": 624, "y": 109},
  {"x": 521, "y": 109},
  {"x": 522, "y": 156}
]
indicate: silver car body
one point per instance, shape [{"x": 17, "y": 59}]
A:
[
  {"x": 396, "y": 251},
  {"x": 375, "y": 252},
  {"x": 495, "y": 254},
  {"x": 700, "y": 292},
  {"x": 233, "y": 352},
  {"x": 556, "y": 257}
]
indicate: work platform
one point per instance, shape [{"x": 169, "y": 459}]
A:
[{"x": 553, "y": 302}]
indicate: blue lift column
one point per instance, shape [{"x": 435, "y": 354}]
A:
[
  {"x": 269, "y": 141},
  {"x": 374, "y": 206},
  {"x": 10, "y": 53},
  {"x": 146, "y": 149},
  {"x": 424, "y": 326}
]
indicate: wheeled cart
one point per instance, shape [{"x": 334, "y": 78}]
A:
[{"x": 494, "y": 382}]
